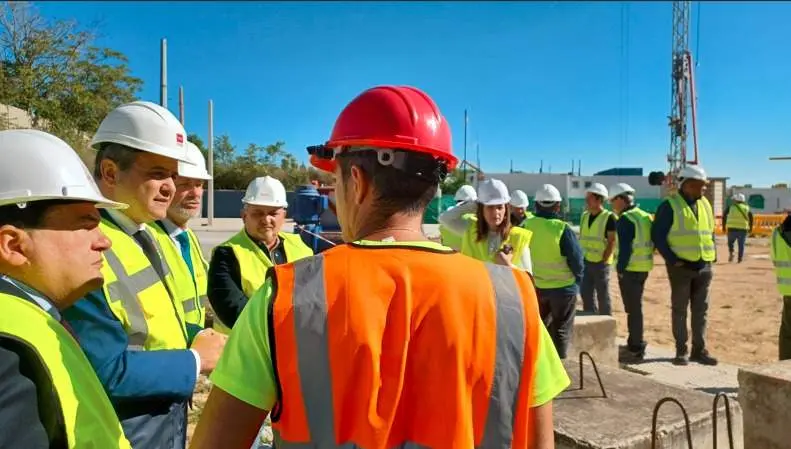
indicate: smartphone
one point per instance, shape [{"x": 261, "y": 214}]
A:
[{"x": 507, "y": 249}]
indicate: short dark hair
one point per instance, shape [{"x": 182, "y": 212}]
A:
[
  {"x": 122, "y": 155},
  {"x": 396, "y": 190},
  {"x": 32, "y": 216}
]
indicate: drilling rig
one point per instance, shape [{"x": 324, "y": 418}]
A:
[{"x": 683, "y": 107}]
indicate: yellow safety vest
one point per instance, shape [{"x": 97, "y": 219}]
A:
[
  {"x": 691, "y": 237},
  {"x": 137, "y": 296},
  {"x": 254, "y": 263},
  {"x": 593, "y": 238},
  {"x": 518, "y": 238},
  {"x": 642, "y": 259},
  {"x": 451, "y": 240},
  {"x": 738, "y": 216},
  {"x": 550, "y": 268},
  {"x": 189, "y": 289},
  {"x": 88, "y": 416},
  {"x": 781, "y": 257}
]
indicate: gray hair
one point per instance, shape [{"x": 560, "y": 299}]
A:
[{"x": 122, "y": 155}]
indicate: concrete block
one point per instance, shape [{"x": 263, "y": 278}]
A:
[
  {"x": 765, "y": 395},
  {"x": 584, "y": 419},
  {"x": 596, "y": 335}
]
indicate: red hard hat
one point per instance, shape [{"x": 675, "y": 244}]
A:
[{"x": 391, "y": 117}]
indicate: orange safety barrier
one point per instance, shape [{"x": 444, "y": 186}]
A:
[{"x": 763, "y": 224}]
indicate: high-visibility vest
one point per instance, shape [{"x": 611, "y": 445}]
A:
[
  {"x": 143, "y": 304},
  {"x": 738, "y": 216},
  {"x": 593, "y": 237},
  {"x": 254, "y": 263},
  {"x": 642, "y": 258},
  {"x": 402, "y": 347},
  {"x": 189, "y": 289},
  {"x": 550, "y": 268},
  {"x": 691, "y": 237},
  {"x": 88, "y": 417},
  {"x": 518, "y": 238},
  {"x": 781, "y": 257},
  {"x": 451, "y": 240}
]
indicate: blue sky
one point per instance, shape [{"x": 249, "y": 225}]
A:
[{"x": 542, "y": 81}]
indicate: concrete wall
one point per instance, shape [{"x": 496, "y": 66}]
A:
[
  {"x": 774, "y": 199},
  {"x": 765, "y": 395},
  {"x": 12, "y": 118}
]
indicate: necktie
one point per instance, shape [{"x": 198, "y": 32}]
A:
[
  {"x": 150, "y": 250},
  {"x": 184, "y": 243}
]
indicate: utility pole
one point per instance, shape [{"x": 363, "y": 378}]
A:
[
  {"x": 181, "y": 105},
  {"x": 464, "y": 168},
  {"x": 210, "y": 202},
  {"x": 478, "y": 155},
  {"x": 163, "y": 73}
]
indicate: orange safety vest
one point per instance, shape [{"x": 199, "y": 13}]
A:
[{"x": 399, "y": 346}]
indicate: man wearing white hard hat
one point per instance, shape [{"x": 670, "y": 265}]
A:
[
  {"x": 466, "y": 193},
  {"x": 182, "y": 249},
  {"x": 635, "y": 261},
  {"x": 597, "y": 238},
  {"x": 558, "y": 266},
  {"x": 738, "y": 222},
  {"x": 238, "y": 266},
  {"x": 50, "y": 255},
  {"x": 133, "y": 330},
  {"x": 781, "y": 258},
  {"x": 488, "y": 235},
  {"x": 519, "y": 212},
  {"x": 683, "y": 232}
]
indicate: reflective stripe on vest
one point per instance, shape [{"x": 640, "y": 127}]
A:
[
  {"x": 781, "y": 257},
  {"x": 180, "y": 280},
  {"x": 593, "y": 238},
  {"x": 138, "y": 297},
  {"x": 254, "y": 263},
  {"x": 201, "y": 274},
  {"x": 550, "y": 268},
  {"x": 518, "y": 238},
  {"x": 738, "y": 216},
  {"x": 397, "y": 347},
  {"x": 88, "y": 417},
  {"x": 692, "y": 237},
  {"x": 642, "y": 258}
]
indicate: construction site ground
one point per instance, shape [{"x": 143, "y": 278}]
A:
[{"x": 743, "y": 320}]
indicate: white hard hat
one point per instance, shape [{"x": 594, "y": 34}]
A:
[
  {"x": 548, "y": 194},
  {"x": 692, "y": 172},
  {"x": 144, "y": 126},
  {"x": 493, "y": 192},
  {"x": 620, "y": 189},
  {"x": 265, "y": 191},
  {"x": 36, "y": 166},
  {"x": 597, "y": 189},
  {"x": 196, "y": 169},
  {"x": 466, "y": 193},
  {"x": 738, "y": 197},
  {"x": 519, "y": 199}
]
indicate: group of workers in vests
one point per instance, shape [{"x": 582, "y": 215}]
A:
[
  {"x": 494, "y": 226},
  {"x": 388, "y": 340}
]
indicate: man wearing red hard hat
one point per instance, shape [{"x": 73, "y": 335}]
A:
[{"x": 390, "y": 339}]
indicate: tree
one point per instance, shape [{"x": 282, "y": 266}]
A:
[
  {"x": 453, "y": 182},
  {"x": 52, "y": 70}
]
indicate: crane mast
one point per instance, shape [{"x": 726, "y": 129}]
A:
[{"x": 683, "y": 103}]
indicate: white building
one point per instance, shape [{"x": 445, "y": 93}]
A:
[{"x": 765, "y": 200}]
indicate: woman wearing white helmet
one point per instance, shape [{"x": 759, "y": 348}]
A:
[
  {"x": 519, "y": 212},
  {"x": 490, "y": 236},
  {"x": 464, "y": 194},
  {"x": 738, "y": 222},
  {"x": 50, "y": 255}
]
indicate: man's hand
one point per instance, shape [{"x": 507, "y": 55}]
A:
[
  {"x": 209, "y": 345},
  {"x": 502, "y": 258}
]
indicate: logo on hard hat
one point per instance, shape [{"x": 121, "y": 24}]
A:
[{"x": 180, "y": 138}]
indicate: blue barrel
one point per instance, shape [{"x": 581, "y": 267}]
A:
[{"x": 306, "y": 211}]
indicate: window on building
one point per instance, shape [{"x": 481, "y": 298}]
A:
[
  {"x": 587, "y": 184},
  {"x": 575, "y": 184}
]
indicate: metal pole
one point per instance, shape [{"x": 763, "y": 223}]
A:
[
  {"x": 464, "y": 169},
  {"x": 210, "y": 208},
  {"x": 163, "y": 74},
  {"x": 181, "y": 105},
  {"x": 478, "y": 155}
]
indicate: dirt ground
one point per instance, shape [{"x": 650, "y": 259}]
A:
[
  {"x": 743, "y": 320},
  {"x": 744, "y": 309}
]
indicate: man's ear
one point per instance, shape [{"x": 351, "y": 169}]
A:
[
  {"x": 14, "y": 245},
  {"x": 109, "y": 171},
  {"x": 360, "y": 184}
]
